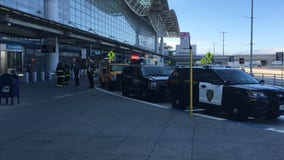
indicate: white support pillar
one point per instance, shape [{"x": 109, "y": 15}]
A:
[
  {"x": 51, "y": 59},
  {"x": 156, "y": 43},
  {"x": 162, "y": 45},
  {"x": 51, "y": 9}
]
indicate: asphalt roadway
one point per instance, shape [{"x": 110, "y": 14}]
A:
[{"x": 78, "y": 123}]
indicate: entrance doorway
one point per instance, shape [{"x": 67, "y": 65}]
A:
[
  {"x": 14, "y": 62},
  {"x": 11, "y": 62}
]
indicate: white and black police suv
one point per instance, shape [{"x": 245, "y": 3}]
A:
[{"x": 235, "y": 92}]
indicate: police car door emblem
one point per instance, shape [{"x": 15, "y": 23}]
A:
[{"x": 210, "y": 94}]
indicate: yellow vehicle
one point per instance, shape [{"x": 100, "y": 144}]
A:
[{"x": 110, "y": 75}]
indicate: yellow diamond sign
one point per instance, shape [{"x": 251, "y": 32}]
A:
[{"x": 110, "y": 54}]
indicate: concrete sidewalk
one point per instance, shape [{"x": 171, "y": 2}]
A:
[{"x": 114, "y": 128}]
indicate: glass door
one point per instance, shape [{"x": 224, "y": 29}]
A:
[{"x": 14, "y": 62}]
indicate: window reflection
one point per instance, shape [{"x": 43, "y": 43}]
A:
[
  {"x": 110, "y": 18},
  {"x": 104, "y": 17}
]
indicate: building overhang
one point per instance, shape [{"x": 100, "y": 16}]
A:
[
  {"x": 163, "y": 20},
  {"x": 167, "y": 16}
]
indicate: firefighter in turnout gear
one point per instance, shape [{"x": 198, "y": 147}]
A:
[
  {"x": 67, "y": 71},
  {"x": 76, "y": 71},
  {"x": 60, "y": 74},
  {"x": 91, "y": 73}
]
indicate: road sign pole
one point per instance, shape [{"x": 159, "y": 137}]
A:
[{"x": 191, "y": 79}]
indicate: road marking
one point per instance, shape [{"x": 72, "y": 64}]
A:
[
  {"x": 63, "y": 96},
  {"x": 210, "y": 117},
  {"x": 194, "y": 110},
  {"x": 136, "y": 100},
  {"x": 275, "y": 130}
]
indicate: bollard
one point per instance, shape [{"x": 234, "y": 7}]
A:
[
  {"x": 49, "y": 75},
  {"x": 34, "y": 76},
  {"x": 42, "y": 76},
  {"x": 72, "y": 74},
  {"x": 26, "y": 77}
]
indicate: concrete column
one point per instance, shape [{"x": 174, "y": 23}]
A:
[
  {"x": 162, "y": 45},
  {"x": 51, "y": 59},
  {"x": 156, "y": 44},
  {"x": 51, "y": 12},
  {"x": 51, "y": 9}
]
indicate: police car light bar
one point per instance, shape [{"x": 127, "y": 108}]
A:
[{"x": 134, "y": 57}]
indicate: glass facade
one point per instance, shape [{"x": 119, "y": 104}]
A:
[
  {"x": 35, "y": 7},
  {"x": 108, "y": 18},
  {"x": 111, "y": 19}
]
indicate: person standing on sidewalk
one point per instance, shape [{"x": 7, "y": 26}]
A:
[
  {"x": 60, "y": 75},
  {"x": 76, "y": 71},
  {"x": 67, "y": 71},
  {"x": 91, "y": 73}
]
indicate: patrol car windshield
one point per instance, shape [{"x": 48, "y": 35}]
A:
[
  {"x": 155, "y": 71},
  {"x": 235, "y": 76}
]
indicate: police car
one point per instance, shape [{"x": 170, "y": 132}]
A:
[{"x": 231, "y": 90}]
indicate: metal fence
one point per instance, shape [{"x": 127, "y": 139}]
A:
[{"x": 274, "y": 79}]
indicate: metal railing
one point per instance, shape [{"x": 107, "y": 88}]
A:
[{"x": 274, "y": 79}]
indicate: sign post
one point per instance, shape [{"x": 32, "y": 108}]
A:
[
  {"x": 191, "y": 78},
  {"x": 185, "y": 43}
]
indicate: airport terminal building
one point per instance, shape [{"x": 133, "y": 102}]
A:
[{"x": 44, "y": 32}]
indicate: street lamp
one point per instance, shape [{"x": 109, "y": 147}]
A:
[
  {"x": 223, "y": 42},
  {"x": 251, "y": 36}
]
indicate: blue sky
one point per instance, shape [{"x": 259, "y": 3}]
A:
[{"x": 205, "y": 19}]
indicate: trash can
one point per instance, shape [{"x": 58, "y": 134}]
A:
[{"x": 9, "y": 87}]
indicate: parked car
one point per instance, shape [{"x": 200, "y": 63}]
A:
[
  {"x": 148, "y": 82},
  {"x": 236, "y": 93},
  {"x": 110, "y": 75}
]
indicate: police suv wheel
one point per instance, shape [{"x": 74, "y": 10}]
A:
[
  {"x": 125, "y": 92},
  {"x": 236, "y": 111},
  {"x": 176, "y": 102},
  {"x": 109, "y": 85},
  {"x": 144, "y": 95}
]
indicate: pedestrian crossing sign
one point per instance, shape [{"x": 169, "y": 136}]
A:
[{"x": 110, "y": 54}]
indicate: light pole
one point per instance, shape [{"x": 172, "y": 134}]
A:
[
  {"x": 223, "y": 42},
  {"x": 214, "y": 48},
  {"x": 251, "y": 36},
  {"x": 213, "y": 53}
]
